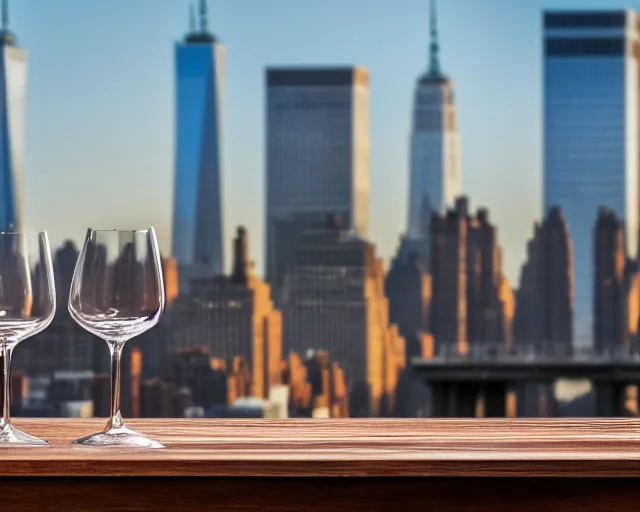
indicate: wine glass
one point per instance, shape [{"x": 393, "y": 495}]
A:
[
  {"x": 27, "y": 307},
  {"x": 117, "y": 293}
]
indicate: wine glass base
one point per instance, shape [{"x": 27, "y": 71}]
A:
[
  {"x": 10, "y": 436},
  {"x": 121, "y": 436}
]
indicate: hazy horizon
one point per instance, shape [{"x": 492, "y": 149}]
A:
[{"x": 100, "y": 105}]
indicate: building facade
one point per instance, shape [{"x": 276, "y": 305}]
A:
[
  {"x": 449, "y": 234},
  {"x": 317, "y": 387},
  {"x": 435, "y": 180},
  {"x": 436, "y": 175},
  {"x": 64, "y": 345},
  {"x": 13, "y": 90},
  {"x": 615, "y": 287},
  {"x": 334, "y": 301},
  {"x": 490, "y": 300},
  {"x": 591, "y": 129},
  {"x": 408, "y": 288},
  {"x": 232, "y": 317},
  {"x": 317, "y": 151},
  {"x": 472, "y": 305},
  {"x": 197, "y": 205},
  {"x": 543, "y": 321}
]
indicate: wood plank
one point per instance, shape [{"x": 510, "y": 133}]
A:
[{"x": 276, "y": 448}]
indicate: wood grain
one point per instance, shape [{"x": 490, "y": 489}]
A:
[{"x": 318, "y": 448}]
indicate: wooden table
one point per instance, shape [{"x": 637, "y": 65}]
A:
[{"x": 246, "y": 465}]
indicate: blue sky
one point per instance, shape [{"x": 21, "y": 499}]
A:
[{"x": 100, "y": 104}]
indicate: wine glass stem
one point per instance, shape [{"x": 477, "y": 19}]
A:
[
  {"x": 116, "y": 354},
  {"x": 6, "y": 390}
]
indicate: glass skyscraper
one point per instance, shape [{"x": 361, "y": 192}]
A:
[
  {"x": 317, "y": 153},
  {"x": 197, "y": 216},
  {"x": 591, "y": 129},
  {"x": 13, "y": 89},
  {"x": 435, "y": 178}
]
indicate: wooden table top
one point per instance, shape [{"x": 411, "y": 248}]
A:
[{"x": 443, "y": 448}]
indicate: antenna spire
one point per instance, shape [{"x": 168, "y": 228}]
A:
[
  {"x": 204, "y": 17},
  {"x": 5, "y": 15},
  {"x": 434, "y": 49},
  {"x": 192, "y": 18}
]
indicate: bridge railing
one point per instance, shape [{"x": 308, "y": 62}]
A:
[{"x": 534, "y": 352}]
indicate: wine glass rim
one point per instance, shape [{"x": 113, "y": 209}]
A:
[{"x": 115, "y": 230}]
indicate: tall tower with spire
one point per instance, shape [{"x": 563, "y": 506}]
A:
[
  {"x": 435, "y": 168},
  {"x": 197, "y": 207},
  {"x": 13, "y": 88}
]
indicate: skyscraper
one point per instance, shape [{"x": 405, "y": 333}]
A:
[
  {"x": 232, "y": 316},
  {"x": 544, "y": 311},
  {"x": 435, "y": 180},
  {"x": 591, "y": 129},
  {"x": 449, "y": 239},
  {"x": 617, "y": 288},
  {"x": 435, "y": 175},
  {"x": 490, "y": 301},
  {"x": 335, "y": 302},
  {"x": 472, "y": 304},
  {"x": 408, "y": 288},
  {"x": 317, "y": 385},
  {"x": 197, "y": 208},
  {"x": 317, "y": 151},
  {"x": 13, "y": 89},
  {"x": 556, "y": 283}
]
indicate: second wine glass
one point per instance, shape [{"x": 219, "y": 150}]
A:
[{"x": 117, "y": 293}]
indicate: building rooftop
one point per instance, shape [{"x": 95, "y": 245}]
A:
[
  {"x": 199, "y": 29},
  {"x": 7, "y": 37},
  {"x": 319, "y": 76},
  {"x": 563, "y": 19},
  {"x": 200, "y": 38}
]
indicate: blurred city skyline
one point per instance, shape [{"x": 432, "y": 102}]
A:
[{"x": 100, "y": 105}]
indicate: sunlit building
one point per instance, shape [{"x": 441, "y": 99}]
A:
[
  {"x": 591, "y": 129},
  {"x": 334, "y": 301},
  {"x": 617, "y": 289},
  {"x": 472, "y": 305},
  {"x": 232, "y": 317},
  {"x": 632, "y": 289},
  {"x": 317, "y": 151},
  {"x": 13, "y": 90},
  {"x": 170, "y": 277},
  {"x": 317, "y": 387},
  {"x": 197, "y": 206},
  {"x": 490, "y": 300}
]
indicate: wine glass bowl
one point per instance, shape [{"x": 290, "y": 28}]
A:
[
  {"x": 27, "y": 307},
  {"x": 117, "y": 293}
]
